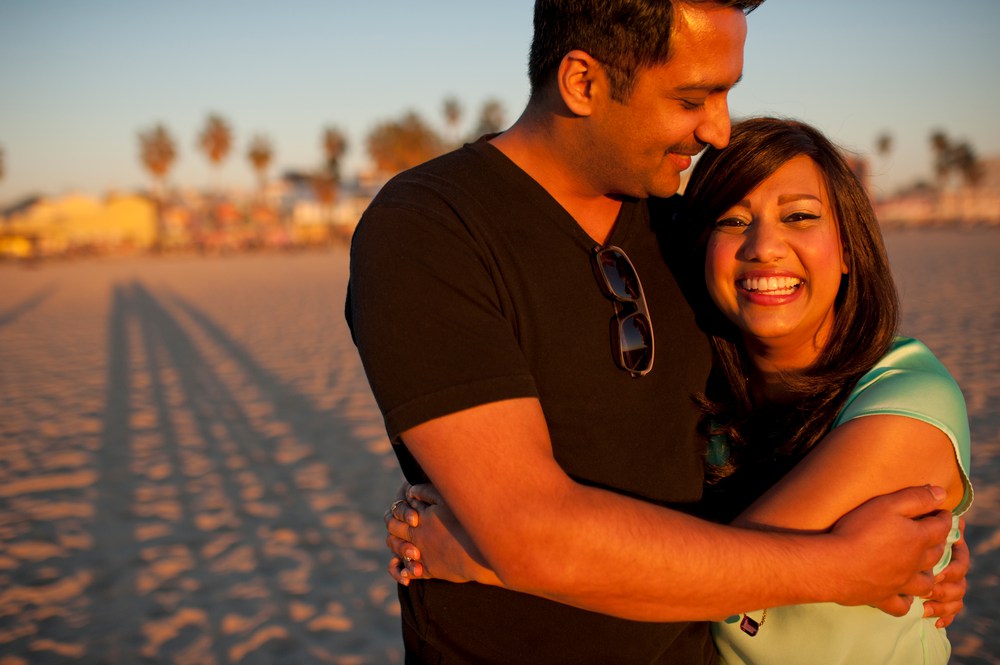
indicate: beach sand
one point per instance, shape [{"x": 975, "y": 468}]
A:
[{"x": 193, "y": 470}]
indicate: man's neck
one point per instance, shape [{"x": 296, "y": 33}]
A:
[{"x": 538, "y": 149}]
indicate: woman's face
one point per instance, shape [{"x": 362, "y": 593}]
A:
[{"x": 774, "y": 265}]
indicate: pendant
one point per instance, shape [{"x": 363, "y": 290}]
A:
[{"x": 749, "y": 626}]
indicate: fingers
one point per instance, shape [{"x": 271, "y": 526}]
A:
[
  {"x": 402, "y": 548},
  {"x": 425, "y": 493},
  {"x": 399, "y": 529},
  {"x": 401, "y": 511},
  {"x": 896, "y": 606},
  {"x": 958, "y": 568},
  {"x": 396, "y": 571},
  {"x": 917, "y": 501},
  {"x": 920, "y": 584},
  {"x": 945, "y": 610},
  {"x": 947, "y": 598},
  {"x": 404, "y": 572}
]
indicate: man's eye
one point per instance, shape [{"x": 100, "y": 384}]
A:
[{"x": 692, "y": 104}]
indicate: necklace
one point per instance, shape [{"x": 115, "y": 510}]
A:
[{"x": 749, "y": 626}]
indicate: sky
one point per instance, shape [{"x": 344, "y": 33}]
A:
[{"x": 79, "y": 79}]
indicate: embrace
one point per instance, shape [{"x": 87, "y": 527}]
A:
[{"x": 642, "y": 412}]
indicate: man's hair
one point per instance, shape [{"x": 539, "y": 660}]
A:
[
  {"x": 866, "y": 306},
  {"x": 623, "y": 35}
]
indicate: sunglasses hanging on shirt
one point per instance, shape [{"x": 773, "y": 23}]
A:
[{"x": 631, "y": 328}]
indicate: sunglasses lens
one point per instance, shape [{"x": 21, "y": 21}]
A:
[
  {"x": 619, "y": 275},
  {"x": 631, "y": 329},
  {"x": 636, "y": 338}
]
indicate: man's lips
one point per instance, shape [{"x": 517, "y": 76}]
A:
[{"x": 681, "y": 161}]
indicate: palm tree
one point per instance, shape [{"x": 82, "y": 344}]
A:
[
  {"x": 260, "y": 155},
  {"x": 971, "y": 171},
  {"x": 967, "y": 164},
  {"x": 157, "y": 151},
  {"x": 883, "y": 144},
  {"x": 326, "y": 183},
  {"x": 452, "y": 116},
  {"x": 334, "y": 147},
  {"x": 491, "y": 118},
  {"x": 216, "y": 140},
  {"x": 941, "y": 146},
  {"x": 397, "y": 145},
  {"x": 883, "y": 147}
]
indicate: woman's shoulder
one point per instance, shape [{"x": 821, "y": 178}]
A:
[
  {"x": 910, "y": 381},
  {"x": 908, "y": 366}
]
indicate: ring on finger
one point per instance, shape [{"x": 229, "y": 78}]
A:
[{"x": 396, "y": 504}]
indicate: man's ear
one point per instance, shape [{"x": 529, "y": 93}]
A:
[{"x": 577, "y": 76}]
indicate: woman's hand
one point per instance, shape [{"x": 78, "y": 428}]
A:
[
  {"x": 948, "y": 597},
  {"x": 429, "y": 543}
]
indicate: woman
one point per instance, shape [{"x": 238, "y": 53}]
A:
[{"x": 814, "y": 405}]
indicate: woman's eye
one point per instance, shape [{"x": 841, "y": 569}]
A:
[
  {"x": 731, "y": 224},
  {"x": 801, "y": 217}
]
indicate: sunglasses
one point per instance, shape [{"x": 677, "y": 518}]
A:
[{"x": 631, "y": 329}]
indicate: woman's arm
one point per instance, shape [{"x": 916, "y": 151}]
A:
[
  {"x": 861, "y": 459},
  {"x": 455, "y": 557}
]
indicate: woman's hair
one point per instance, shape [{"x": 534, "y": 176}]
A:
[
  {"x": 623, "y": 35},
  {"x": 866, "y": 306}
]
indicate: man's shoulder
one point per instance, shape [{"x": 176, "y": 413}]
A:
[{"x": 446, "y": 174}]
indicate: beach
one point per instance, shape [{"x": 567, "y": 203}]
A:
[{"x": 193, "y": 469}]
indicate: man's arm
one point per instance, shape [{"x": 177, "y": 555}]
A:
[{"x": 640, "y": 561}]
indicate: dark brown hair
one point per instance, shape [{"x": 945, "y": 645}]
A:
[
  {"x": 867, "y": 309},
  {"x": 623, "y": 35}
]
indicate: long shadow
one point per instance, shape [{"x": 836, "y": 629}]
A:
[
  {"x": 305, "y": 421},
  {"x": 114, "y": 547},
  {"x": 178, "y": 380},
  {"x": 26, "y": 305},
  {"x": 327, "y": 431}
]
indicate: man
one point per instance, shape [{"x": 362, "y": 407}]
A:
[{"x": 482, "y": 284}]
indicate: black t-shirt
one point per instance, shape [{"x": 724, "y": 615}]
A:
[{"x": 469, "y": 285}]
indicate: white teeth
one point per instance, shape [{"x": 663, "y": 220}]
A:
[{"x": 777, "y": 286}]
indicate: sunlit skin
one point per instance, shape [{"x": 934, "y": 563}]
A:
[
  {"x": 783, "y": 229},
  {"x": 587, "y": 149},
  {"x": 774, "y": 266},
  {"x": 675, "y": 109}
]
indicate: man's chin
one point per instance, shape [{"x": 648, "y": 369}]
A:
[{"x": 666, "y": 187}]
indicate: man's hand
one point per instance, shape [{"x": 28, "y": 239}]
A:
[{"x": 903, "y": 535}]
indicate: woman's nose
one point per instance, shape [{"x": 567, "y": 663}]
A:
[{"x": 764, "y": 242}]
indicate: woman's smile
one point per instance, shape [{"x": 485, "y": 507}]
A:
[{"x": 774, "y": 265}]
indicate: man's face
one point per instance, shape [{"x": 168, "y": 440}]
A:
[{"x": 641, "y": 147}]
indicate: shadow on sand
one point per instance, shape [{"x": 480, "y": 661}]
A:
[{"x": 224, "y": 525}]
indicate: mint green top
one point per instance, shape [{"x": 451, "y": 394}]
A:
[{"x": 908, "y": 381}]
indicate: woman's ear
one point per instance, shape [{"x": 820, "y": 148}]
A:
[{"x": 578, "y": 73}]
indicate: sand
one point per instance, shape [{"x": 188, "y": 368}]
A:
[{"x": 193, "y": 470}]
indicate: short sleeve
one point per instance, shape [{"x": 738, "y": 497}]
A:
[
  {"x": 426, "y": 313},
  {"x": 911, "y": 382}
]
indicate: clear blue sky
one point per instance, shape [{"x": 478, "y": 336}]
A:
[{"x": 80, "y": 79}]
